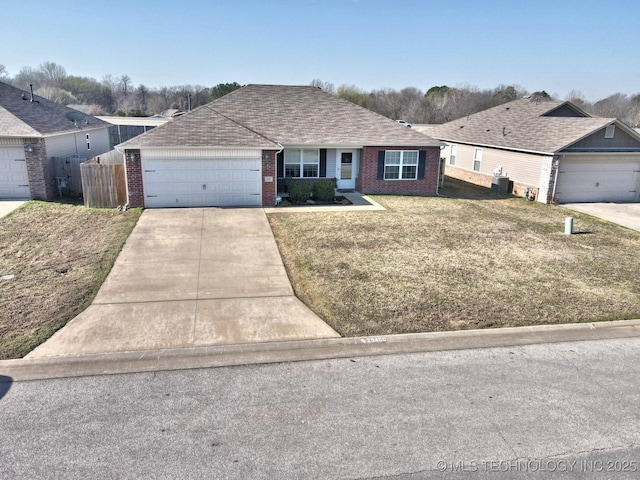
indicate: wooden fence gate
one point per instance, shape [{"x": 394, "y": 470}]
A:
[
  {"x": 66, "y": 172},
  {"x": 103, "y": 185}
]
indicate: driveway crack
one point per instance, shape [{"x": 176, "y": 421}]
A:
[{"x": 195, "y": 313}]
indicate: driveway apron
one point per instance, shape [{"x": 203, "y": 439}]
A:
[
  {"x": 625, "y": 214},
  {"x": 190, "y": 278}
]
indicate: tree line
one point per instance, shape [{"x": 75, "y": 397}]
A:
[
  {"x": 120, "y": 96},
  {"x": 111, "y": 95},
  {"x": 440, "y": 104}
]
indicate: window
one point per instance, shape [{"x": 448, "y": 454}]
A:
[
  {"x": 88, "y": 142},
  {"x": 400, "y": 165},
  {"x": 301, "y": 163},
  {"x": 610, "y": 131},
  {"x": 452, "y": 155},
  {"x": 477, "y": 158}
]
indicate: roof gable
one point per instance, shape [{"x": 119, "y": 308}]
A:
[
  {"x": 202, "y": 127},
  {"x": 521, "y": 125},
  {"x": 567, "y": 109},
  {"x": 22, "y": 117}
]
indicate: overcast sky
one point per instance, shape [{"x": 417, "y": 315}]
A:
[{"x": 557, "y": 46}]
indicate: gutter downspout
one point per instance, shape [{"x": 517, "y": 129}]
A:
[
  {"x": 275, "y": 186},
  {"x": 555, "y": 178}
]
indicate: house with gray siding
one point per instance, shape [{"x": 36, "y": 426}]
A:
[
  {"x": 551, "y": 150},
  {"x": 32, "y": 131}
]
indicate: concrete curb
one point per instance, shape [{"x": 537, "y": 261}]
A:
[{"x": 292, "y": 351}]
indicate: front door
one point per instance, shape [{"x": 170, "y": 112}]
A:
[{"x": 346, "y": 170}]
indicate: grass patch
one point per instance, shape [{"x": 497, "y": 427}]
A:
[
  {"x": 59, "y": 255},
  {"x": 472, "y": 260}
]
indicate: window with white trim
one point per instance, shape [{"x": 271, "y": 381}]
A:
[
  {"x": 301, "y": 163},
  {"x": 400, "y": 164},
  {"x": 610, "y": 131},
  {"x": 452, "y": 155},
  {"x": 88, "y": 142},
  {"x": 477, "y": 159}
]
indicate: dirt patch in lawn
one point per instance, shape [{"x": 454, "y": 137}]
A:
[
  {"x": 53, "y": 257},
  {"x": 471, "y": 260}
]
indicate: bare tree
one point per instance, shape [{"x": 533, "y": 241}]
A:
[
  {"x": 52, "y": 74},
  {"x": 124, "y": 84},
  {"x": 28, "y": 76},
  {"x": 326, "y": 86},
  {"x": 57, "y": 95}
]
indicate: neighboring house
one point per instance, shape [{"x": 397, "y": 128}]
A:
[
  {"x": 233, "y": 151},
  {"x": 34, "y": 129},
  {"x": 550, "y": 148},
  {"x": 125, "y": 128}
]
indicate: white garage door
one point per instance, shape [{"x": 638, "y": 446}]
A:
[
  {"x": 599, "y": 179},
  {"x": 14, "y": 180},
  {"x": 220, "y": 182}
]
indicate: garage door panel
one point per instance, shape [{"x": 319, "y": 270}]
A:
[
  {"x": 202, "y": 182},
  {"x": 14, "y": 178},
  {"x": 598, "y": 179}
]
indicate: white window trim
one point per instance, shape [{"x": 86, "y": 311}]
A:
[
  {"x": 452, "y": 155},
  {"x": 477, "y": 157},
  {"x": 88, "y": 142},
  {"x": 301, "y": 162},
  {"x": 401, "y": 164},
  {"x": 610, "y": 131}
]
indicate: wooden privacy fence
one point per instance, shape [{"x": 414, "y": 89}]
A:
[
  {"x": 103, "y": 185},
  {"x": 66, "y": 172}
]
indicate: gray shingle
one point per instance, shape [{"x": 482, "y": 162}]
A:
[
  {"x": 202, "y": 127},
  {"x": 23, "y": 118},
  {"x": 520, "y": 125},
  {"x": 291, "y": 115}
]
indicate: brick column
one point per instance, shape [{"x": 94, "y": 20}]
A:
[
  {"x": 269, "y": 173},
  {"x": 133, "y": 169},
  {"x": 41, "y": 183}
]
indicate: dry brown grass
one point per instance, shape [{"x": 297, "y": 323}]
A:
[
  {"x": 472, "y": 260},
  {"x": 59, "y": 255}
]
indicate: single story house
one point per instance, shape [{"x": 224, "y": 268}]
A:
[
  {"x": 550, "y": 149},
  {"x": 32, "y": 131},
  {"x": 233, "y": 151}
]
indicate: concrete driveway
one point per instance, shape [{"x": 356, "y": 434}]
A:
[
  {"x": 8, "y": 206},
  {"x": 625, "y": 214},
  {"x": 189, "y": 278}
]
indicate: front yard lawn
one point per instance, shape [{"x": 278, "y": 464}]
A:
[
  {"x": 472, "y": 260},
  {"x": 54, "y": 258}
]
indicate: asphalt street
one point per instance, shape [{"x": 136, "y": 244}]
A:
[{"x": 563, "y": 410}]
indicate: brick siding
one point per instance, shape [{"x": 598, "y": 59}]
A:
[
  {"x": 269, "y": 170},
  {"x": 367, "y": 181},
  {"x": 41, "y": 182},
  {"x": 133, "y": 168},
  {"x": 485, "y": 180}
]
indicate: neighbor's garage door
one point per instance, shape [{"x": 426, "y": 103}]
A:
[
  {"x": 599, "y": 179},
  {"x": 216, "y": 182},
  {"x": 14, "y": 180}
]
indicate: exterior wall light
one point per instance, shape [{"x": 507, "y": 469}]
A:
[{"x": 29, "y": 148}]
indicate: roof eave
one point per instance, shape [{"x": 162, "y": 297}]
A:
[
  {"x": 121, "y": 147},
  {"x": 501, "y": 147}
]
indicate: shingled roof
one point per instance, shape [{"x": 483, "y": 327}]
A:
[
  {"x": 25, "y": 118},
  {"x": 289, "y": 115},
  {"x": 527, "y": 124}
]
